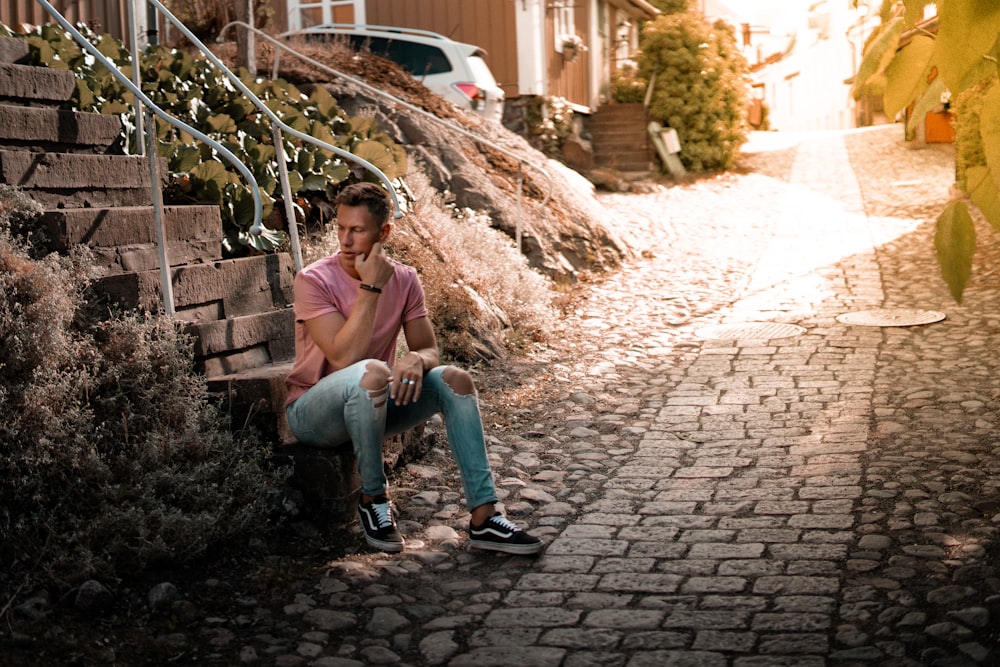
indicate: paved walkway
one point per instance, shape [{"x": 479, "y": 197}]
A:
[{"x": 826, "y": 498}]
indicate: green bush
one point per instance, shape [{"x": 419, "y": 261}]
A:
[
  {"x": 627, "y": 87},
  {"x": 700, "y": 86},
  {"x": 112, "y": 456},
  {"x": 193, "y": 90}
]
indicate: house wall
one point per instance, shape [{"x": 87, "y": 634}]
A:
[
  {"x": 108, "y": 16},
  {"x": 314, "y": 12},
  {"x": 489, "y": 24},
  {"x": 570, "y": 79}
]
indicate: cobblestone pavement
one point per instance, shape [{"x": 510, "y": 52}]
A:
[{"x": 827, "y": 498}]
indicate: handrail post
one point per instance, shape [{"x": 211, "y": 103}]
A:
[
  {"x": 133, "y": 17},
  {"x": 286, "y": 194},
  {"x": 520, "y": 181},
  {"x": 166, "y": 280}
]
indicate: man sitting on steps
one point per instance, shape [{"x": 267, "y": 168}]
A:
[{"x": 347, "y": 385}]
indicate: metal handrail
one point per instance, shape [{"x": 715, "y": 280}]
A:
[
  {"x": 277, "y": 127},
  {"x": 281, "y": 46},
  {"x": 167, "y": 283}
]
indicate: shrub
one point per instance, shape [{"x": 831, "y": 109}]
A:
[
  {"x": 550, "y": 123},
  {"x": 112, "y": 456},
  {"x": 627, "y": 87},
  {"x": 700, "y": 86}
]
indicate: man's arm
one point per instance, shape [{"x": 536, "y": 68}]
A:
[
  {"x": 345, "y": 341},
  {"x": 422, "y": 357}
]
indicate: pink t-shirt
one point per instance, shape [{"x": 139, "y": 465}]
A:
[{"x": 324, "y": 287}]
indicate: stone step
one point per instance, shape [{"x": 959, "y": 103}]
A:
[
  {"x": 620, "y": 141},
  {"x": 618, "y": 136},
  {"x": 631, "y": 164},
  {"x": 211, "y": 291},
  {"x": 13, "y": 50},
  {"x": 238, "y": 344},
  {"x": 75, "y": 180},
  {"x": 124, "y": 239},
  {"x": 600, "y": 126},
  {"x": 57, "y": 130},
  {"x": 28, "y": 85},
  {"x": 258, "y": 395}
]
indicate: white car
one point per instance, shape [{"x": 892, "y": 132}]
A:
[{"x": 454, "y": 70}]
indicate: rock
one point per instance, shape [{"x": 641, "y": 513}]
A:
[
  {"x": 93, "y": 596},
  {"x": 386, "y": 622},
  {"x": 161, "y": 596},
  {"x": 36, "y": 606},
  {"x": 438, "y": 647}
]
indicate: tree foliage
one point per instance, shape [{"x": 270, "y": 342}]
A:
[
  {"x": 919, "y": 66},
  {"x": 699, "y": 79}
]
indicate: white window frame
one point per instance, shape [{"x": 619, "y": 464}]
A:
[
  {"x": 563, "y": 21},
  {"x": 296, "y": 8}
]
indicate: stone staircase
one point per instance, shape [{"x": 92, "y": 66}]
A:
[
  {"x": 619, "y": 139},
  {"x": 237, "y": 310}
]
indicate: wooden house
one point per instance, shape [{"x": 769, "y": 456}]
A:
[{"x": 547, "y": 48}]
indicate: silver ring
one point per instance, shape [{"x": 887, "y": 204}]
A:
[{"x": 405, "y": 381}]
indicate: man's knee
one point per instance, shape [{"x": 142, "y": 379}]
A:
[
  {"x": 459, "y": 380},
  {"x": 375, "y": 381}
]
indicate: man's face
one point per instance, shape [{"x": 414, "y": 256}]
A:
[{"x": 357, "y": 233}]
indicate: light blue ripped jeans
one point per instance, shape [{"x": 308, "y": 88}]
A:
[{"x": 337, "y": 409}]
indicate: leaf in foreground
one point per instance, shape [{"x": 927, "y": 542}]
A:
[{"x": 955, "y": 241}]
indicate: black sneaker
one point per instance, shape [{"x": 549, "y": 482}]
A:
[
  {"x": 380, "y": 525},
  {"x": 499, "y": 534}
]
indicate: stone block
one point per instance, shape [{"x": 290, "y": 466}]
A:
[
  {"x": 257, "y": 397},
  {"x": 241, "y": 285},
  {"x": 56, "y": 129},
  {"x": 64, "y": 171},
  {"x": 72, "y": 180},
  {"x": 25, "y": 83},
  {"x": 12, "y": 50},
  {"x": 238, "y": 333},
  {"x": 235, "y": 362},
  {"x": 124, "y": 239},
  {"x": 130, "y": 225},
  {"x": 235, "y": 282}
]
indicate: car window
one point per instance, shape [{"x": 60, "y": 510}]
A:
[{"x": 417, "y": 59}]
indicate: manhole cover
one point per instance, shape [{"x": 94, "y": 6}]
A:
[
  {"x": 760, "y": 330},
  {"x": 891, "y": 317}
]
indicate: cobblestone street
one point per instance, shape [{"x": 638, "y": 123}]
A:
[{"x": 826, "y": 497}]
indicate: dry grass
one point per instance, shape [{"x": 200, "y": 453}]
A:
[{"x": 484, "y": 299}]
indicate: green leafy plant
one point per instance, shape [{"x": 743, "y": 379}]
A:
[
  {"x": 700, "y": 81},
  {"x": 193, "y": 90},
  {"x": 914, "y": 66}
]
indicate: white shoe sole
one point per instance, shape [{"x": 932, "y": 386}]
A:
[
  {"x": 390, "y": 547},
  {"x": 516, "y": 549}
]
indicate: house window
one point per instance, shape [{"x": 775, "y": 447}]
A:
[
  {"x": 564, "y": 22},
  {"x": 306, "y": 13}
]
